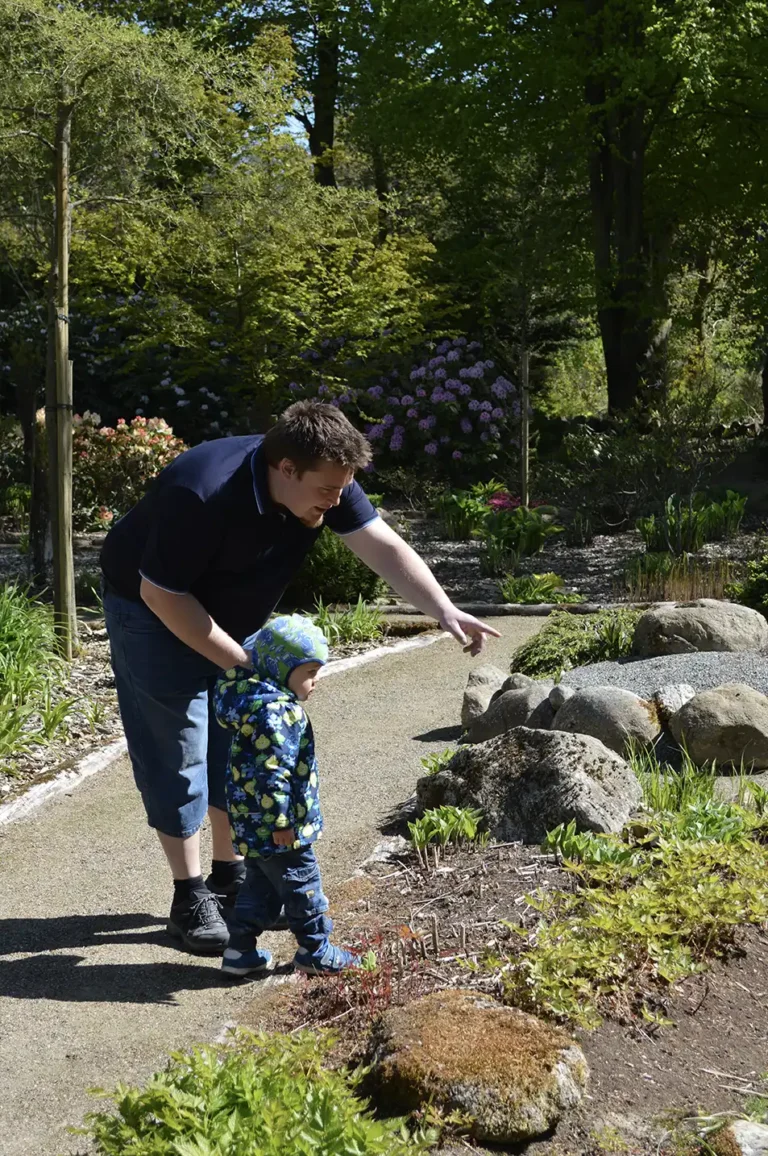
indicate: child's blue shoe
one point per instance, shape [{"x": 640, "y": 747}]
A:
[
  {"x": 332, "y": 961},
  {"x": 245, "y": 962}
]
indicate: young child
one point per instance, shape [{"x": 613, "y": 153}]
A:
[{"x": 272, "y": 798}]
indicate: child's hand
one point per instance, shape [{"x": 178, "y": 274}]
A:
[{"x": 284, "y": 838}]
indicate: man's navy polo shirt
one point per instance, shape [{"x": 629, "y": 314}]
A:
[{"x": 208, "y": 526}]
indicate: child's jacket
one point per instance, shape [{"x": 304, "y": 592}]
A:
[{"x": 272, "y": 773}]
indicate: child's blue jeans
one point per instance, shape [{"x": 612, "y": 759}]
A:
[{"x": 290, "y": 878}]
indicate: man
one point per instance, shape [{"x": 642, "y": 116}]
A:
[{"x": 198, "y": 564}]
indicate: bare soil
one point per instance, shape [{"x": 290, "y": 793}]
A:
[{"x": 645, "y": 1080}]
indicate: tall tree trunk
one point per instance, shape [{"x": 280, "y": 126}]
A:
[
  {"x": 325, "y": 93},
  {"x": 616, "y": 183}
]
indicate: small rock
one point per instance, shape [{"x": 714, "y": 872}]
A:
[
  {"x": 741, "y": 1136},
  {"x": 528, "y": 781},
  {"x": 672, "y": 698},
  {"x": 482, "y": 682},
  {"x": 511, "y": 1074},
  {"x": 513, "y": 708},
  {"x": 706, "y": 624},
  {"x": 729, "y": 724},
  {"x": 560, "y": 694},
  {"x": 611, "y": 715},
  {"x": 385, "y": 851}
]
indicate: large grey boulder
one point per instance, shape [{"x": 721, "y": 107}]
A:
[
  {"x": 729, "y": 724},
  {"x": 482, "y": 682},
  {"x": 609, "y": 714},
  {"x": 509, "y": 1073},
  {"x": 513, "y": 708},
  {"x": 745, "y": 1137},
  {"x": 528, "y": 781},
  {"x": 705, "y": 624},
  {"x": 560, "y": 694}
]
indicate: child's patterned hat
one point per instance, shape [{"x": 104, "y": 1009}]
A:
[{"x": 285, "y": 643}]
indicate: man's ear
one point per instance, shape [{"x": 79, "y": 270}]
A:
[{"x": 288, "y": 469}]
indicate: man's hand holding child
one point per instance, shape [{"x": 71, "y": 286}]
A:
[{"x": 284, "y": 838}]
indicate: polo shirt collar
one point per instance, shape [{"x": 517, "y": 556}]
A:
[{"x": 259, "y": 468}]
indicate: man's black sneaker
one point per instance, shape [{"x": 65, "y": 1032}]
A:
[
  {"x": 198, "y": 923},
  {"x": 226, "y": 893}
]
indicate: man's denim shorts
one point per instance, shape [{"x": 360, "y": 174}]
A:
[{"x": 178, "y": 751}]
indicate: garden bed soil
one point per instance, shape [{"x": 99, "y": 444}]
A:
[{"x": 645, "y": 1080}]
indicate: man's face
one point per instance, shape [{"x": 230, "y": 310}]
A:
[{"x": 312, "y": 493}]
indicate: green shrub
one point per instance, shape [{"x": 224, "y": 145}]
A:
[
  {"x": 14, "y": 503},
  {"x": 566, "y": 641},
  {"x": 434, "y": 763},
  {"x": 461, "y": 514},
  {"x": 30, "y": 668},
  {"x": 331, "y": 572},
  {"x": 684, "y": 527},
  {"x": 446, "y": 825},
  {"x": 12, "y": 468},
  {"x": 262, "y": 1094},
  {"x": 535, "y": 588},
  {"x": 753, "y": 591},
  {"x": 363, "y": 623}
]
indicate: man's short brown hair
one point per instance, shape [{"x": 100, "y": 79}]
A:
[{"x": 310, "y": 432}]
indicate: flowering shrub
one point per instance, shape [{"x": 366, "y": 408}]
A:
[
  {"x": 113, "y": 466},
  {"x": 454, "y": 410}
]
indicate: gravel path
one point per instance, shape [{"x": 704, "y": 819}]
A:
[
  {"x": 702, "y": 671},
  {"x": 92, "y": 991}
]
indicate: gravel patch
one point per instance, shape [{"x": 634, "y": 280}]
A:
[{"x": 703, "y": 670}]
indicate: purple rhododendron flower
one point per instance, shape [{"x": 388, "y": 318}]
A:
[
  {"x": 459, "y": 342},
  {"x": 375, "y": 391},
  {"x": 489, "y": 364},
  {"x": 497, "y": 414},
  {"x": 373, "y": 432},
  {"x": 443, "y": 347},
  {"x": 412, "y": 413},
  {"x": 483, "y": 437},
  {"x": 435, "y": 361},
  {"x": 464, "y": 373},
  {"x": 430, "y": 448},
  {"x": 424, "y": 424},
  {"x": 474, "y": 404},
  {"x": 452, "y": 383},
  {"x": 454, "y": 355},
  {"x": 293, "y": 386},
  {"x": 440, "y": 374},
  {"x": 334, "y": 402},
  {"x": 466, "y": 425},
  {"x": 516, "y": 408},
  {"x": 323, "y": 390},
  {"x": 473, "y": 345},
  {"x": 486, "y": 405},
  {"x": 388, "y": 419},
  {"x": 438, "y": 394},
  {"x": 456, "y": 455},
  {"x": 444, "y": 440},
  {"x": 396, "y": 441},
  {"x": 484, "y": 415},
  {"x": 343, "y": 398},
  {"x": 393, "y": 400},
  {"x": 406, "y": 399},
  {"x": 421, "y": 393},
  {"x": 465, "y": 389}
]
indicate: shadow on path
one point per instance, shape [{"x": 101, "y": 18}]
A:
[
  {"x": 440, "y": 735},
  {"x": 18, "y": 936},
  {"x": 72, "y": 979}
]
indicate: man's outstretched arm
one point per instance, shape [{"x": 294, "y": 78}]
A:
[{"x": 384, "y": 551}]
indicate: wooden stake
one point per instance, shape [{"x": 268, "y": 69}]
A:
[
  {"x": 435, "y": 935},
  {"x": 462, "y": 939},
  {"x": 525, "y": 428}
]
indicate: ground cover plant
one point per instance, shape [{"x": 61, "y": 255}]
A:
[
  {"x": 535, "y": 588},
  {"x": 362, "y": 623},
  {"x": 683, "y": 526},
  {"x": 566, "y": 641},
  {"x": 267, "y": 1094}
]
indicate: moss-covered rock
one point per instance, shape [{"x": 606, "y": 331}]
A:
[{"x": 509, "y": 1073}]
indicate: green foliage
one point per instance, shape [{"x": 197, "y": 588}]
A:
[
  {"x": 363, "y": 623},
  {"x": 584, "y": 847},
  {"x": 508, "y": 535},
  {"x": 753, "y": 590},
  {"x": 434, "y": 763},
  {"x": 684, "y": 527},
  {"x": 663, "y": 577},
  {"x": 265, "y": 1094},
  {"x": 447, "y": 825},
  {"x": 566, "y": 641},
  {"x": 461, "y": 514},
  {"x": 667, "y": 790},
  {"x": 30, "y": 670},
  {"x": 535, "y": 588},
  {"x": 113, "y": 467},
  {"x": 333, "y": 573}
]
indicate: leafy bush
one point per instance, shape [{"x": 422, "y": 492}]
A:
[
  {"x": 753, "y": 591},
  {"x": 434, "y": 763},
  {"x": 566, "y": 641},
  {"x": 684, "y": 527},
  {"x": 363, "y": 623},
  {"x": 30, "y": 668},
  {"x": 535, "y": 588},
  {"x": 262, "y": 1094},
  {"x": 12, "y": 467},
  {"x": 461, "y": 514},
  {"x": 113, "y": 466},
  {"x": 331, "y": 572},
  {"x": 662, "y": 577},
  {"x": 511, "y": 534}
]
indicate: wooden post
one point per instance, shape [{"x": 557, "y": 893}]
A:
[
  {"x": 63, "y": 563},
  {"x": 525, "y": 431}
]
